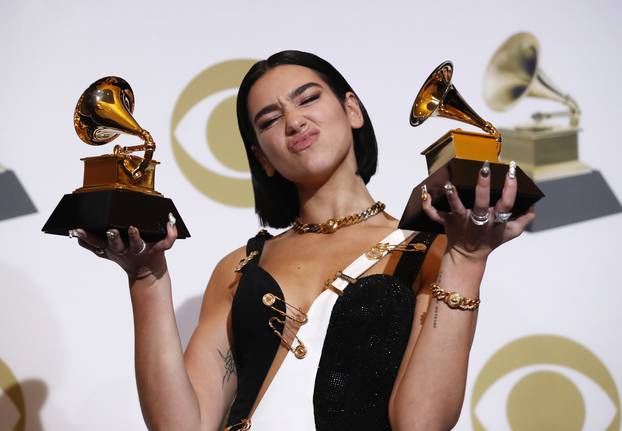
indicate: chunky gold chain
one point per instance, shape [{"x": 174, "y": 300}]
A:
[
  {"x": 454, "y": 299},
  {"x": 331, "y": 225}
]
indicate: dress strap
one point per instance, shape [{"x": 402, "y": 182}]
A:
[
  {"x": 254, "y": 248},
  {"x": 366, "y": 261},
  {"x": 409, "y": 265}
]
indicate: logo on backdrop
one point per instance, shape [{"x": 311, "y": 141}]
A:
[
  {"x": 14, "y": 201},
  {"x": 212, "y": 156},
  {"x": 13, "y": 392},
  {"x": 544, "y": 382}
]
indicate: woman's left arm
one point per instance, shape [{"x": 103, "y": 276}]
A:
[{"x": 431, "y": 390}]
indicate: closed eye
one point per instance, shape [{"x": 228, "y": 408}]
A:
[
  {"x": 263, "y": 125},
  {"x": 308, "y": 99}
]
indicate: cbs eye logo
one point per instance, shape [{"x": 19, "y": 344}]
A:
[
  {"x": 212, "y": 157},
  {"x": 12, "y": 404},
  {"x": 544, "y": 382}
]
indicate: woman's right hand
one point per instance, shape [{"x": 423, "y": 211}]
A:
[{"x": 138, "y": 258}]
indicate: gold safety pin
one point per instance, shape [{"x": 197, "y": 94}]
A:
[
  {"x": 269, "y": 299},
  {"x": 378, "y": 250},
  {"x": 244, "y": 262},
  {"x": 300, "y": 351},
  {"x": 243, "y": 425}
]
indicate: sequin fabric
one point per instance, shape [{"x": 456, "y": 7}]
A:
[{"x": 367, "y": 336}]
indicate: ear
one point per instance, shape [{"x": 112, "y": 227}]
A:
[
  {"x": 263, "y": 160},
  {"x": 353, "y": 110}
]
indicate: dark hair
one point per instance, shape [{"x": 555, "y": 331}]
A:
[{"x": 276, "y": 198}]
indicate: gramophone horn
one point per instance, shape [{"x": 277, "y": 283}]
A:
[
  {"x": 439, "y": 97},
  {"x": 103, "y": 112},
  {"x": 513, "y": 73}
]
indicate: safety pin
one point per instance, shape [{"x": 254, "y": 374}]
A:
[
  {"x": 245, "y": 261},
  {"x": 243, "y": 425},
  {"x": 300, "y": 351},
  {"x": 378, "y": 250},
  {"x": 269, "y": 299}
]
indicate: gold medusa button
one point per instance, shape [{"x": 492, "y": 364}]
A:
[
  {"x": 268, "y": 299},
  {"x": 300, "y": 351},
  {"x": 454, "y": 299}
]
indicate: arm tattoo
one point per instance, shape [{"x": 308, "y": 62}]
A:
[
  {"x": 435, "y": 321},
  {"x": 229, "y": 366}
]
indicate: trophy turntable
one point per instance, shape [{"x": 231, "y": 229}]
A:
[
  {"x": 458, "y": 155},
  {"x": 118, "y": 189}
]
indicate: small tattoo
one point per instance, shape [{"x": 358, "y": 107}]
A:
[
  {"x": 229, "y": 366},
  {"x": 422, "y": 318},
  {"x": 435, "y": 321}
]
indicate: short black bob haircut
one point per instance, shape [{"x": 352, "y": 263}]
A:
[{"x": 276, "y": 198}]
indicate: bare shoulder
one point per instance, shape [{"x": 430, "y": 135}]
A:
[{"x": 224, "y": 278}]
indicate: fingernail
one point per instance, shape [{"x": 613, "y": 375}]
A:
[
  {"x": 512, "y": 170},
  {"x": 75, "y": 233},
  {"x": 485, "y": 171},
  {"x": 112, "y": 235},
  {"x": 424, "y": 192},
  {"x": 171, "y": 219},
  {"x": 449, "y": 187},
  {"x": 132, "y": 230}
]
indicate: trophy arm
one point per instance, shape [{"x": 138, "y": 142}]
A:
[{"x": 149, "y": 147}]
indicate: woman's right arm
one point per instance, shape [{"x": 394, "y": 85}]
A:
[{"x": 176, "y": 393}]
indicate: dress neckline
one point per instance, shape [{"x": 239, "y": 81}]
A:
[{"x": 277, "y": 286}]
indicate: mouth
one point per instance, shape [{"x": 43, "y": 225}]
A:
[{"x": 302, "y": 142}]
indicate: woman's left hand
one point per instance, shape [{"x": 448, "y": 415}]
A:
[{"x": 475, "y": 233}]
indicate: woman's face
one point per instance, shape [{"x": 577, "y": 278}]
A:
[{"x": 304, "y": 131}]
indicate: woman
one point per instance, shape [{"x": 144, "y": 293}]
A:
[{"x": 316, "y": 328}]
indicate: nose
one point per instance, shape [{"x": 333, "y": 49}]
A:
[{"x": 294, "y": 123}]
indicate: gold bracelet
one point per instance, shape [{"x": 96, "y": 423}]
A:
[{"x": 454, "y": 299}]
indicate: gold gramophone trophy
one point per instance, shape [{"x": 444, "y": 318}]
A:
[
  {"x": 118, "y": 189},
  {"x": 548, "y": 153},
  {"x": 458, "y": 155}
]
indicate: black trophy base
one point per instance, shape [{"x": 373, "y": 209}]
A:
[
  {"x": 463, "y": 175},
  {"x": 102, "y": 210},
  {"x": 572, "y": 200},
  {"x": 14, "y": 200}
]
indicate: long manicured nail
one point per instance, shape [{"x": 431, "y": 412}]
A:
[
  {"x": 512, "y": 170},
  {"x": 171, "y": 219},
  {"x": 75, "y": 233},
  {"x": 449, "y": 187},
  {"x": 424, "y": 193},
  {"x": 485, "y": 171},
  {"x": 112, "y": 235}
]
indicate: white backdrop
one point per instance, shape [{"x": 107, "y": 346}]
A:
[{"x": 65, "y": 317}]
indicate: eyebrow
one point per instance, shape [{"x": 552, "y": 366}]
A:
[{"x": 292, "y": 94}]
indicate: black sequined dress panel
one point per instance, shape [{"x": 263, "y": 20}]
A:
[{"x": 367, "y": 335}]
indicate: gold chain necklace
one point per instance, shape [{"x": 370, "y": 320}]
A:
[{"x": 331, "y": 225}]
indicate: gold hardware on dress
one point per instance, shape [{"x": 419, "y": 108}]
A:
[
  {"x": 243, "y": 425},
  {"x": 345, "y": 277},
  {"x": 331, "y": 225},
  {"x": 378, "y": 250},
  {"x": 244, "y": 262},
  {"x": 269, "y": 299},
  {"x": 300, "y": 351}
]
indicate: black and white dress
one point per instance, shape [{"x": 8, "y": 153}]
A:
[{"x": 355, "y": 343}]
